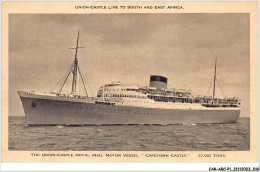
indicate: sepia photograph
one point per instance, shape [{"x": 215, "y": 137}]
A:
[{"x": 129, "y": 82}]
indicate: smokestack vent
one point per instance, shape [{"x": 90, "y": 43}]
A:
[{"x": 158, "y": 81}]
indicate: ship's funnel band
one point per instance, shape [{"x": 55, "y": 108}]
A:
[
  {"x": 158, "y": 82},
  {"x": 158, "y": 78}
]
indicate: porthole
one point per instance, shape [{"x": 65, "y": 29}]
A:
[{"x": 34, "y": 103}]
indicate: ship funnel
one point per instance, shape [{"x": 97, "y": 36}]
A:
[{"x": 159, "y": 82}]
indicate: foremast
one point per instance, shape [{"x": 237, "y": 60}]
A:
[{"x": 74, "y": 70}]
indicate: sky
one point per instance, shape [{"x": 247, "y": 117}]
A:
[{"x": 129, "y": 48}]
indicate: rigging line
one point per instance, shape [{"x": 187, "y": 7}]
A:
[
  {"x": 89, "y": 86},
  {"x": 49, "y": 77},
  {"x": 209, "y": 87},
  {"x": 91, "y": 91},
  {"x": 67, "y": 67},
  {"x": 61, "y": 74},
  {"x": 58, "y": 82},
  {"x": 83, "y": 81},
  {"x": 61, "y": 78},
  {"x": 220, "y": 88},
  {"x": 65, "y": 82}
]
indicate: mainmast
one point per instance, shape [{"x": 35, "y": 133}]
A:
[{"x": 214, "y": 80}]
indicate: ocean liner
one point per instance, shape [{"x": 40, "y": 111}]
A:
[{"x": 117, "y": 103}]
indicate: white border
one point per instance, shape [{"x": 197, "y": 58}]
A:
[
  {"x": 120, "y": 166},
  {"x": 123, "y": 166}
]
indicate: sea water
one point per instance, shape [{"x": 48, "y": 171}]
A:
[{"x": 186, "y": 137}]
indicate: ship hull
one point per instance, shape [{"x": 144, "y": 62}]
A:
[{"x": 40, "y": 111}]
